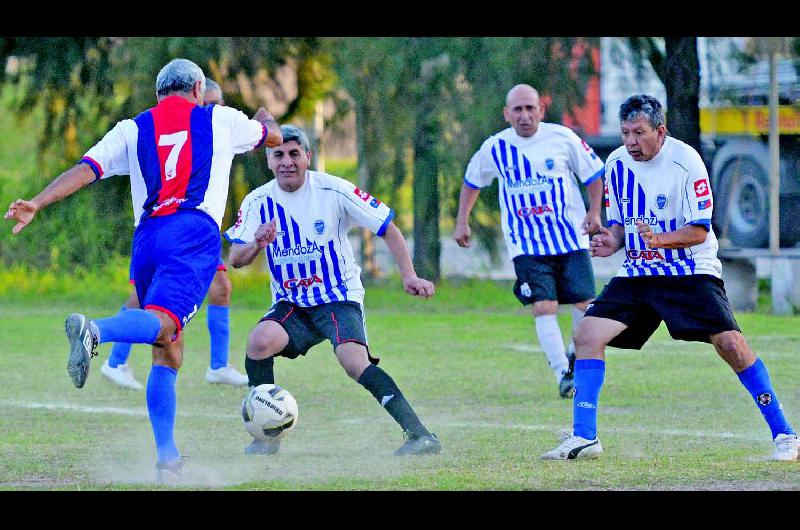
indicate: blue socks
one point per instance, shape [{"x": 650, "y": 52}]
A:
[
  {"x": 589, "y": 376},
  {"x": 133, "y": 325},
  {"x": 219, "y": 332},
  {"x": 120, "y": 350},
  {"x": 756, "y": 380},
  {"x": 161, "y": 404}
]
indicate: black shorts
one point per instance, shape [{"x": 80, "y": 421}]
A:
[
  {"x": 693, "y": 308},
  {"x": 567, "y": 278},
  {"x": 339, "y": 322}
]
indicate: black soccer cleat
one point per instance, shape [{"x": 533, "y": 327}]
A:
[
  {"x": 266, "y": 447},
  {"x": 419, "y": 445},
  {"x": 82, "y": 335},
  {"x": 566, "y": 387}
]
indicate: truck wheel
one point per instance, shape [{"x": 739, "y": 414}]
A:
[{"x": 742, "y": 203}]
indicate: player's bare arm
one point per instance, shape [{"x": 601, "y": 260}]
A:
[
  {"x": 462, "y": 232},
  {"x": 244, "y": 254},
  {"x": 64, "y": 185},
  {"x": 684, "y": 237},
  {"x": 592, "y": 223},
  {"x": 274, "y": 136},
  {"x": 412, "y": 284},
  {"x": 607, "y": 241}
]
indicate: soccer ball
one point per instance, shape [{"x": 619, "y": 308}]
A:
[{"x": 269, "y": 412}]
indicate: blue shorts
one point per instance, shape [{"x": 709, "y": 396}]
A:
[
  {"x": 220, "y": 267},
  {"x": 174, "y": 260}
]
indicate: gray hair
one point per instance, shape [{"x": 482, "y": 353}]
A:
[
  {"x": 294, "y": 133},
  {"x": 642, "y": 106},
  {"x": 212, "y": 85},
  {"x": 179, "y": 75}
]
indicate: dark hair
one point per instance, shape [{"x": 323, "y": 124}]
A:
[{"x": 642, "y": 105}]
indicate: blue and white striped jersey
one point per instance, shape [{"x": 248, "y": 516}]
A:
[
  {"x": 311, "y": 261},
  {"x": 668, "y": 191},
  {"x": 540, "y": 202}
]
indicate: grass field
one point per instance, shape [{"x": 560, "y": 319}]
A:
[{"x": 672, "y": 416}]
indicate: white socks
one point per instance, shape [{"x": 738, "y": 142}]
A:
[{"x": 550, "y": 339}]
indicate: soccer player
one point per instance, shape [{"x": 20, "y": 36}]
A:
[
  {"x": 545, "y": 222},
  {"x": 178, "y": 155},
  {"x": 659, "y": 206},
  {"x": 116, "y": 367},
  {"x": 301, "y": 219}
]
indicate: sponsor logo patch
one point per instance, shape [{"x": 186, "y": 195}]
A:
[
  {"x": 525, "y": 289},
  {"x": 764, "y": 399},
  {"x": 526, "y": 211},
  {"x": 585, "y": 405},
  {"x": 363, "y": 195},
  {"x": 701, "y": 187},
  {"x": 294, "y": 283},
  {"x": 702, "y": 205},
  {"x": 646, "y": 255},
  {"x": 374, "y": 202}
]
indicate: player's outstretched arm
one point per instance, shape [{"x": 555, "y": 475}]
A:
[
  {"x": 244, "y": 254},
  {"x": 607, "y": 241},
  {"x": 412, "y": 284},
  {"x": 274, "y": 136},
  {"x": 64, "y": 185},
  {"x": 462, "y": 232}
]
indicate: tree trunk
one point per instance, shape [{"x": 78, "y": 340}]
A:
[
  {"x": 427, "y": 247},
  {"x": 682, "y": 84},
  {"x": 368, "y": 265}
]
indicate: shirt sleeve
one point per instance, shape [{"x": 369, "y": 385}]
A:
[
  {"x": 699, "y": 203},
  {"x": 109, "y": 156},
  {"x": 584, "y": 161},
  {"x": 246, "y": 134},
  {"x": 613, "y": 211},
  {"x": 363, "y": 209},
  {"x": 482, "y": 169},
  {"x": 251, "y": 215}
]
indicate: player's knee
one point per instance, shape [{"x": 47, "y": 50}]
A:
[
  {"x": 265, "y": 341},
  {"x": 732, "y": 346},
  {"x": 221, "y": 288},
  {"x": 170, "y": 356},
  {"x": 545, "y": 307},
  {"x": 353, "y": 358}
]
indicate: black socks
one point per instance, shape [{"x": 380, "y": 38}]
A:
[
  {"x": 384, "y": 389},
  {"x": 259, "y": 372}
]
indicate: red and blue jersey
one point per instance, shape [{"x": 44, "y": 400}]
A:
[{"x": 178, "y": 155}]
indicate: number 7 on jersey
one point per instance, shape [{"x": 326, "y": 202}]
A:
[{"x": 177, "y": 141}]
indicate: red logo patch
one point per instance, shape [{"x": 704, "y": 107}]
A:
[
  {"x": 363, "y": 195},
  {"x": 701, "y": 188}
]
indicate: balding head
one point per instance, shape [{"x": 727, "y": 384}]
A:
[
  {"x": 521, "y": 89},
  {"x": 523, "y": 110}
]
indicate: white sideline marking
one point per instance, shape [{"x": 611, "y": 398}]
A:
[
  {"x": 95, "y": 410},
  {"x": 616, "y": 430}
]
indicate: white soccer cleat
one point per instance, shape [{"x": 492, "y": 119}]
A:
[
  {"x": 122, "y": 375},
  {"x": 786, "y": 448},
  {"x": 574, "y": 448},
  {"x": 227, "y": 375}
]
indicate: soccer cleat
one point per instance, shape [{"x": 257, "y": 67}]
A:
[
  {"x": 227, "y": 375},
  {"x": 82, "y": 334},
  {"x": 122, "y": 375},
  {"x": 266, "y": 447},
  {"x": 566, "y": 387},
  {"x": 786, "y": 448},
  {"x": 171, "y": 472},
  {"x": 574, "y": 448},
  {"x": 419, "y": 445}
]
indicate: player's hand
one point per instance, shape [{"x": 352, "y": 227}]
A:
[
  {"x": 462, "y": 235},
  {"x": 602, "y": 244},
  {"x": 22, "y": 212},
  {"x": 262, "y": 115},
  {"x": 646, "y": 232},
  {"x": 266, "y": 234},
  {"x": 419, "y": 287},
  {"x": 591, "y": 223}
]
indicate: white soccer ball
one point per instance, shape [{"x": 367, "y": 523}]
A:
[{"x": 269, "y": 412}]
